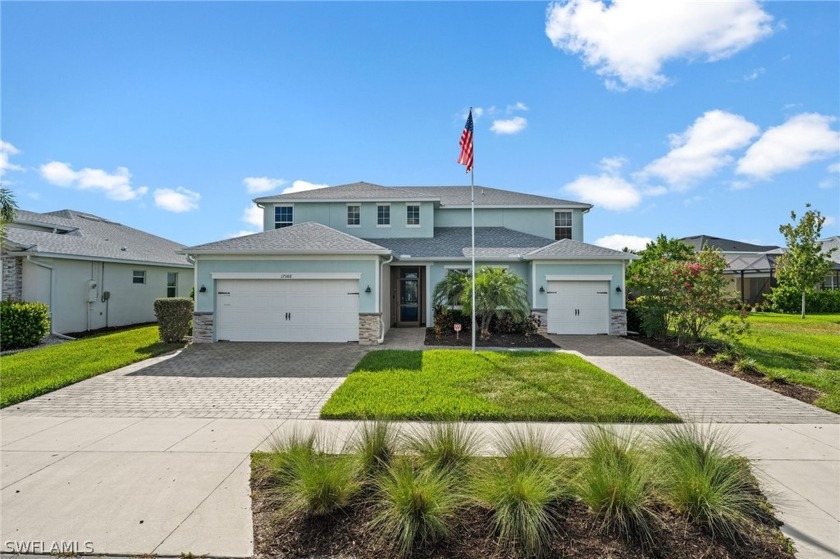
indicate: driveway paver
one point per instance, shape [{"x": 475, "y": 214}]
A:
[{"x": 230, "y": 380}]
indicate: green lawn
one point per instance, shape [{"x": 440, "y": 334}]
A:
[
  {"x": 494, "y": 386},
  {"x": 805, "y": 352},
  {"x": 34, "y": 372}
]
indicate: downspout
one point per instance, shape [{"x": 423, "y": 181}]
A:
[
  {"x": 50, "y": 268},
  {"x": 379, "y": 300}
]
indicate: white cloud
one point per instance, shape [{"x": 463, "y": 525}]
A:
[
  {"x": 302, "y": 186},
  {"x": 518, "y": 106},
  {"x": 702, "y": 149},
  {"x": 116, "y": 186},
  {"x": 258, "y": 185},
  {"x": 242, "y": 233},
  {"x": 833, "y": 168},
  {"x": 509, "y": 125},
  {"x": 606, "y": 190},
  {"x": 178, "y": 200},
  {"x": 654, "y": 190},
  {"x": 802, "y": 139},
  {"x": 628, "y": 41},
  {"x": 7, "y": 150},
  {"x": 619, "y": 242},
  {"x": 613, "y": 164},
  {"x": 253, "y": 215},
  {"x": 754, "y": 74},
  {"x": 829, "y": 221}
]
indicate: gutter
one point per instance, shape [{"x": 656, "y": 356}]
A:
[
  {"x": 50, "y": 268},
  {"x": 379, "y": 300}
]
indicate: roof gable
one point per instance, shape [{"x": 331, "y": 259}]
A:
[
  {"x": 303, "y": 238},
  {"x": 697, "y": 243},
  {"x": 567, "y": 249}
]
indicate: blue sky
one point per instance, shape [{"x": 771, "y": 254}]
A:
[{"x": 677, "y": 118}]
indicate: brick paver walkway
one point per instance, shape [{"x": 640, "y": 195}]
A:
[
  {"x": 694, "y": 392},
  {"x": 235, "y": 380}
]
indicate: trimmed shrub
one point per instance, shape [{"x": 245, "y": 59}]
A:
[
  {"x": 23, "y": 324},
  {"x": 785, "y": 299},
  {"x": 174, "y": 315}
]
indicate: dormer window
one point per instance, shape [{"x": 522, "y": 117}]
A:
[
  {"x": 562, "y": 225},
  {"x": 354, "y": 215},
  {"x": 283, "y": 216}
]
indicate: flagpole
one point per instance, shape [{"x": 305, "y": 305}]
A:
[{"x": 472, "y": 234}]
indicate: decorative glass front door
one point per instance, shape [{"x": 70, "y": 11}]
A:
[{"x": 409, "y": 296}]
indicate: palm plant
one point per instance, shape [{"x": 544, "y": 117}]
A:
[
  {"x": 497, "y": 291},
  {"x": 8, "y": 206}
]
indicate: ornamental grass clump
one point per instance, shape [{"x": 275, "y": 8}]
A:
[
  {"x": 616, "y": 484},
  {"x": 375, "y": 445},
  {"x": 445, "y": 446},
  {"x": 700, "y": 478},
  {"x": 311, "y": 482},
  {"x": 523, "y": 490},
  {"x": 416, "y": 507}
]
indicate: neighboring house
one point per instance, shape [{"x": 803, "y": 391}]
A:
[
  {"x": 347, "y": 263},
  {"x": 832, "y": 280},
  {"x": 750, "y": 269},
  {"x": 93, "y": 273}
]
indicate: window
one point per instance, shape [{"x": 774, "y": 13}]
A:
[
  {"x": 383, "y": 215},
  {"x": 283, "y": 216},
  {"x": 562, "y": 225},
  {"x": 354, "y": 215},
  {"x": 412, "y": 215},
  {"x": 172, "y": 284},
  {"x": 138, "y": 276}
]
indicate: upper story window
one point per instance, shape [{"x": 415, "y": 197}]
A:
[
  {"x": 283, "y": 216},
  {"x": 412, "y": 215},
  {"x": 383, "y": 215},
  {"x": 562, "y": 225},
  {"x": 138, "y": 276},
  {"x": 354, "y": 215},
  {"x": 171, "y": 284}
]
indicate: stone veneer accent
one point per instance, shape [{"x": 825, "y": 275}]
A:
[
  {"x": 369, "y": 328},
  {"x": 202, "y": 327},
  {"x": 618, "y": 322},
  {"x": 12, "y": 276},
  {"x": 543, "y": 316}
]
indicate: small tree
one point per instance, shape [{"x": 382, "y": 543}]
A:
[
  {"x": 497, "y": 291},
  {"x": 8, "y": 206},
  {"x": 803, "y": 265},
  {"x": 650, "y": 278},
  {"x": 697, "y": 293}
]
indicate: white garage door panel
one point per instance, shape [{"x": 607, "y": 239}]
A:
[
  {"x": 578, "y": 307},
  {"x": 318, "y": 310}
]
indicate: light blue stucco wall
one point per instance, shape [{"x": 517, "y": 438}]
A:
[
  {"x": 334, "y": 214},
  {"x": 602, "y": 268},
  {"x": 535, "y": 221},
  {"x": 205, "y": 267}
]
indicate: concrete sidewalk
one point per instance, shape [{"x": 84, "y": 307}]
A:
[{"x": 168, "y": 486}]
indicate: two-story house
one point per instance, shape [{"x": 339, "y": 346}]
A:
[{"x": 349, "y": 262}]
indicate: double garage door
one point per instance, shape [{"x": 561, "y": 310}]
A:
[
  {"x": 578, "y": 307},
  {"x": 306, "y": 310}
]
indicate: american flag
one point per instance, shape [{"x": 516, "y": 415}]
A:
[{"x": 466, "y": 157}]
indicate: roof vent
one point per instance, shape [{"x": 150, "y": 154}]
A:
[{"x": 123, "y": 249}]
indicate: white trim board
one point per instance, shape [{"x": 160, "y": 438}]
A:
[
  {"x": 579, "y": 278},
  {"x": 284, "y": 276}
]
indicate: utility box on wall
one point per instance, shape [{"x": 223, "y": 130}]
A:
[{"x": 92, "y": 294}]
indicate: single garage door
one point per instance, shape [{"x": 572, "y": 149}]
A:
[
  {"x": 578, "y": 307},
  {"x": 305, "y": 310}
]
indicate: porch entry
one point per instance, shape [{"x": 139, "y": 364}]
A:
[{"x": 408, "y": 286}]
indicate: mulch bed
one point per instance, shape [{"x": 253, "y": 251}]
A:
[
  {"x": 345, "y": 535},
  {"x": 495, "y": 340},
  {"x": 801, "y": 393}
]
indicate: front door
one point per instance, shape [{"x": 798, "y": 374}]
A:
[{"x": 409, "y": 296}]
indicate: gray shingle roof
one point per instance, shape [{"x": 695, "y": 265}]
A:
[
  {"x": 85, "y": 235},
  {"x": 567, "y": 249},
  {"x": 454, "y": 242},
  {"x": 303, "y": 238},
  {"x": 725, "y": 245},
  {"x": 448, "y": 196}
]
